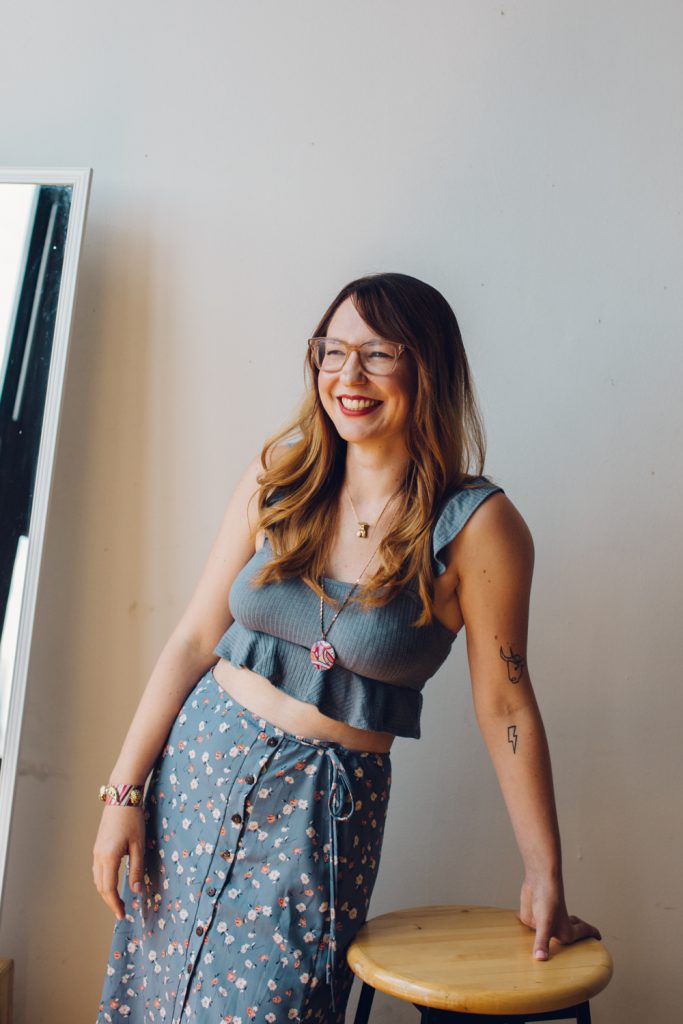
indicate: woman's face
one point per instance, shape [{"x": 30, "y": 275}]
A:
[{"x": 392, "y": 395}]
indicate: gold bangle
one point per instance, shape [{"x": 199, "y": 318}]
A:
[{"x": 122, "y": 796}]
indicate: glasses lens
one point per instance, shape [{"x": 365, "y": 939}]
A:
[{"x": 376, "y": 357}]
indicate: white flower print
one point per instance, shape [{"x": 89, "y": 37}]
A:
[{"x": 268, "y": 878}]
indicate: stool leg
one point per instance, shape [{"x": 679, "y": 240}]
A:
[
  {"x": 583, "y": 1013},
  {"x": 365, "y": 1003}
]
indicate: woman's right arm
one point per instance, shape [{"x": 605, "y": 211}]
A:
[{"x": 187, "y": 654}]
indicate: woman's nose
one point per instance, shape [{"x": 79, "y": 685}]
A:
[{"x": 352, "y": 369}]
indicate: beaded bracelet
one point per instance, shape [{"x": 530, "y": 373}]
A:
[{"x": 122, "y": 796}]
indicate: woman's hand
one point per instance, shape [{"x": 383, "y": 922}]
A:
[
  {"x": 542, "y": 908},
  {"x": 121, "y": 833}
]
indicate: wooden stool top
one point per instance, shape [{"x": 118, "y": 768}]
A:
[{"x": 474, "y": 959}]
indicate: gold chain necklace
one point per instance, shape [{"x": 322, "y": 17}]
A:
[{"x": 363, "y": 528}]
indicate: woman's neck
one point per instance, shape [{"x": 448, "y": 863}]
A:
[{"x": 372, "y": 476}]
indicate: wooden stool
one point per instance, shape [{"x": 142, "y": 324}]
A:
[{"x": 469, "y": 964}]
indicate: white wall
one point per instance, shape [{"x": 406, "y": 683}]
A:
[{"x": 525, "y": 158}]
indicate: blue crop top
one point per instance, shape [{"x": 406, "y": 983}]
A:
[{"x": 383, "y": 661}]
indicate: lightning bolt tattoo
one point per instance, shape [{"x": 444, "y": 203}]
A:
[{"x": 512, "y": 737}]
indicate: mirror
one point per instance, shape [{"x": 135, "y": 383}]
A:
[{"x": 42, "y": 216}]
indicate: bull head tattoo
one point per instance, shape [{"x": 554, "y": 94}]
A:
[{"x": 515, "y": 663}]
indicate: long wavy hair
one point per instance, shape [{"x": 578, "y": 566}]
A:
[{"x": 300, "y": 486}]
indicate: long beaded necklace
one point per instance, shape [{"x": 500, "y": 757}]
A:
[{"x": 323, "y": 654}]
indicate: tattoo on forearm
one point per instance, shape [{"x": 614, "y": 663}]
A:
[
  {"x": 512, "y": 737},
  {"x": 515, "y": 663}
]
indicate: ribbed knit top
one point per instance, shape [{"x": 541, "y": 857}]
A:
[{"x": 382, "y": 660}]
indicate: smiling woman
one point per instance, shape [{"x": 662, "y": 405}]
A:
[{"x": 350, "y": 556}]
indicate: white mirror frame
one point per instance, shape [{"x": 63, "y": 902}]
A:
[{"x": 79, "y": 179}]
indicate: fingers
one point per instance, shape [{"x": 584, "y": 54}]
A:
[
  {"x": 135, "y": 862},
  {"x": 106, "y": 876},
  {"x": 583, "y": 930},
  {"x": 573, "y": 929}
]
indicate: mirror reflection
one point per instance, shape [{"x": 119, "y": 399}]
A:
[{"x": 33, "y": 228}]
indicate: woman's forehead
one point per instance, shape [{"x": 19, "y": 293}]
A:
[{"x": 348, "y": 325}]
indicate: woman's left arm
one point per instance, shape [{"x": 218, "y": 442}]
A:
[{"x": 494, "y": 557}]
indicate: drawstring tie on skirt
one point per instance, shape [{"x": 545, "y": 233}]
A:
[{"x": 340, "y": 789}]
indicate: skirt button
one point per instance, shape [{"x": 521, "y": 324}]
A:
[
  {"x": 237, "y": 819},
  {"x": 250, "y": 779},
  {"x": 199, "y": 930},
  {"x": 272, "y": 741},
  {"x": 211, "y": 891}
]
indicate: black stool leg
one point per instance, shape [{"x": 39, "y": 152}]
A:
[
  {"x": 365, "y": 1003},
  {"x": 583, "y": 1013}
]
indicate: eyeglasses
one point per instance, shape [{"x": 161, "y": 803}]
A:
[{"x": 376, "y": 357}]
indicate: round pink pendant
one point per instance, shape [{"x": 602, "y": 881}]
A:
[{"x": 323, "y": 655}]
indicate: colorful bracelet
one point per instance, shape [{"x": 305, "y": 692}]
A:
[{"x": 122, "y": 796}]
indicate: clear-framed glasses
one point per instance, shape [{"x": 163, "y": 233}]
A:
[{"x": 376, "y": 357}]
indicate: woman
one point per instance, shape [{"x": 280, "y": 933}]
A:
[{"x": 348, "y": 560}]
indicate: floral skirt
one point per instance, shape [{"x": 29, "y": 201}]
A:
[{"x": 262, "y": 852}]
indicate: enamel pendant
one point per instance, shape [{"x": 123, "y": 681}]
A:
[{"x": 323, "y": 655}]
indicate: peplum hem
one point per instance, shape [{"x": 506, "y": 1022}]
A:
[{"x": 338, "y": 693}]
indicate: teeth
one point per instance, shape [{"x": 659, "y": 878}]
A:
[{"x": 354, "y": 404}]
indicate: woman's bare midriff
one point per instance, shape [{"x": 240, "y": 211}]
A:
[{"x": 258, "y": 694}]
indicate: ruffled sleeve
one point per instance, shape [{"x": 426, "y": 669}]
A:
[{"x": 455, "y": 512}]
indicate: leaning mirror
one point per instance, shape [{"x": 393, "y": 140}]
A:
[{"x": 42, "y": 216}]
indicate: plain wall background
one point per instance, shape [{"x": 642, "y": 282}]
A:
[{"x": 526, "y": 159}]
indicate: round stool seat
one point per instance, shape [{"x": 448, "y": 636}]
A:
[{"x": 474, "y": 960}]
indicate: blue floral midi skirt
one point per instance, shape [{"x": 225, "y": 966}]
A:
[{"x": 262, "y": 852}]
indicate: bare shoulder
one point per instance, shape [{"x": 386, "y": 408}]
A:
[{"x": 495, "y": 536}]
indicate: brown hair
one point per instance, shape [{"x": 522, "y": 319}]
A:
[{"x": 299, "y": 487}]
